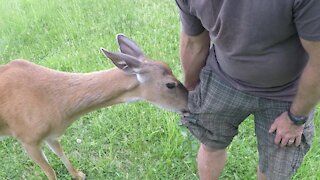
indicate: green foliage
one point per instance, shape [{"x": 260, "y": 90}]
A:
[{"x": 128, "y": 141}]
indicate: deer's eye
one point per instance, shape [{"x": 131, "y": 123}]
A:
[{"x": 171, "y": 85}]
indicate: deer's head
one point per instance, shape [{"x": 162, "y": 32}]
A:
[{"x": 157, "y": 84}]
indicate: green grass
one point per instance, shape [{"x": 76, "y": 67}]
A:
[{"x": 129, "y": 141}]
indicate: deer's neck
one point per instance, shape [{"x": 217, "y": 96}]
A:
[{"x": 88, "y": 92}]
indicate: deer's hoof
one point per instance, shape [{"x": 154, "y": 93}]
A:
[{"x": 80, "y": 176}]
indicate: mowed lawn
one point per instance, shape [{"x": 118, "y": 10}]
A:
[{"x": 128, "y": 141}]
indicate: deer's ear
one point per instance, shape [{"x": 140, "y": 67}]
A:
[
  {"x": 128, "y": 46},
  {"x": 124, "y": 62}
]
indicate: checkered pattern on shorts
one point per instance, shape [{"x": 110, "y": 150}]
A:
[{"x": 217, "y": 110}]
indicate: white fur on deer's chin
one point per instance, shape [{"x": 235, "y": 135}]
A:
[
  {"x": 135, "y": 99},
  {"x": 181, "y": 112},
  {"x": 132, "y": 99}
]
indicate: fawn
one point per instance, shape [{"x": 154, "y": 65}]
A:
[{"x": 37, "y": 104}]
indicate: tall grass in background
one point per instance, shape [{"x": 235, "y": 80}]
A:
[{"x": 129, "y": 141}]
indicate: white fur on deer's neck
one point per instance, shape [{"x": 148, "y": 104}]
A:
[{"x": 141, "y": 78}]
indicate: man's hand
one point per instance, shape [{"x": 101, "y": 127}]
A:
[{"x": 287, "y": 133}]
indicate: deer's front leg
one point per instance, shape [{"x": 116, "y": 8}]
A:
[
  {"x": 36, "y": 154},
  {"x": 57, "y": 149}
]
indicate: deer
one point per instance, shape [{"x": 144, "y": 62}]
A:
[{"x": 38, "y": 104}]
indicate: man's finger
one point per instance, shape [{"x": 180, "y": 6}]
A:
[
  {"x": 298, "y": 141},
  {"x": 284, "y": 142},
  {"x": 291, "y": 141},
  {"x": 272, "y": 128},
  {"x": 277, "y": 139}
]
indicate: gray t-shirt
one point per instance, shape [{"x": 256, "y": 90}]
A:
[{"x": 255, "y": 43}]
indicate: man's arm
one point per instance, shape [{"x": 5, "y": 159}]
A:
[
  {"x": 309, "y": 85},
  {"x": 193, "y": 52},
  {"x": 306, "y": 99}
]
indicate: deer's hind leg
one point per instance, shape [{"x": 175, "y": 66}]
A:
[{"x": 57, "y": 149}]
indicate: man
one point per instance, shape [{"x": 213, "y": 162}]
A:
[{"x": 245, "y": 57}]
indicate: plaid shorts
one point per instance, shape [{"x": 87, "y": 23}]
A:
[{"x": 217, "y": 109}]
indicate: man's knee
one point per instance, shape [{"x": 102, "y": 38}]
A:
[{"x": 212, "y": 150}]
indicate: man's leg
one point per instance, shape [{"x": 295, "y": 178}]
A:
[
  {"x": 210, "y": 162},
  {"x": 216, "y": 111}
]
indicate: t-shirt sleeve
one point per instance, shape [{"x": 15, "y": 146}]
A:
[
  {"x": 190, "y": 23},
  {"x": 307, "y": 19}
]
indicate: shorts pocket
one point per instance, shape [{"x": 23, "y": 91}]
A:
[{"x": 196, "y": 96}]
